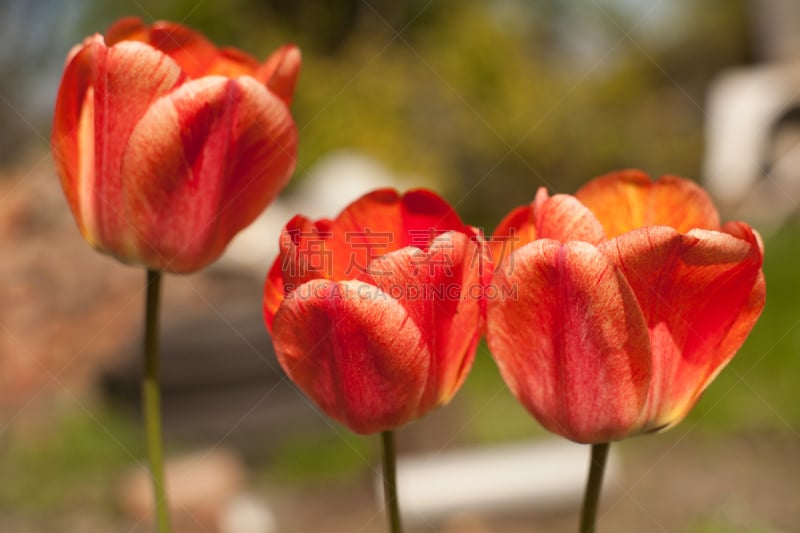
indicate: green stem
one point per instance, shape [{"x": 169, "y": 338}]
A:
[
  {"x": 390, "y": 482},
  {"x": 151, "y": 398},
  {"x": 593, "y": 487}
]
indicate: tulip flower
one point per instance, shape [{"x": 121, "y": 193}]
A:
[
  {"x": 632, "y": 297},
  {"x": 376, "y": 314},
  {"x": 168, "y": 146}
]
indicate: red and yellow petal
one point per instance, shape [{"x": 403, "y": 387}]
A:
[
  {"x": 376, "y": 224},
  {"x": 412, "y": 219},
  {"x": 442, "y": 291},
  {"x": 232, "y": 63},
  {"x": 306, "y": 252},
  {"x": 354, "y": 351},
  {"x": 563, "y": 218},
  {"x": 189, "y": 48},
  {"x": 198, "y": 56},
  {"x": 274, "y": 292},
  {"x": 700, "y": 293},
  {"x": 517, "y": 229},
  {"x": 570, "y": 340},
  {"x": 73, "y": 125},
  {"x": 104, "y": 93},
  {"x": 201, "y": 164},
  {"x": 628, "y": 199},
  {"x": 560, "y": 217}
]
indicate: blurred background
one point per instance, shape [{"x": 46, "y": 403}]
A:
[{"x": 482, "y": 101}]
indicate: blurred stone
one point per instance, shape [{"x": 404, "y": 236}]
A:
[{"x": 200, "y": 486}]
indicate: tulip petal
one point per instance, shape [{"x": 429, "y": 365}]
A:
[
  {"x": 201, "y": 164},
  {"x": 195, "y": 54},
  {"x": 305, "y": 253},
  {"x": 353, "y": 350},
  {"x": 628, "y": 199},
  {"x": 413, "y": 219},
  {"x": 518, "y": 228},
  {"x": 231, "y": 63},
  {"x": 127, "y": 29},
  {"x": 563, "y": 218},
  {"x": 441, "y": 290},
  {"x": 560, "y": 217},
  {"x": 187, "y": 47},
  {"x": 280, "y": 71},
  {"x": 103, "y": 94},
  {"x": 701, "y": 294},
  {"x": 383, "y": 221},
  {"x": 376, "y": 224},
  {"x": 73, "y": 126},
  {"x": 570, "y": 340},
  {"x": 274, "y": 291}
]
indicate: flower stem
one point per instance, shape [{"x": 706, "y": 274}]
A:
[
  {"x": 593, "y": 487},
  {"x": 151, "y": 398},
  {"x": 390, "y": 482}
]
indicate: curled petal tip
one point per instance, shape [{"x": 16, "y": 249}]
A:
[
  {"x": 280, "y": 72},
  {"x": 541, "y": 197},
  {"x": 742, "y": 230}
]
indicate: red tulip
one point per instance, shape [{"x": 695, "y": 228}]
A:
[
  {"x": 376, "y": 314},
  {"x": 632, "y": 298},
  {"x": 167, "y": 146}
]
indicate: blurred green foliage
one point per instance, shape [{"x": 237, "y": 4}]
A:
[
  {"x": 300, "y": 458},
  {"x": 68, "y": 461}
]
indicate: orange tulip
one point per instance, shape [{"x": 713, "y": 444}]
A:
[
  {"x": 167, "y": 146},
  {"x": 376, "y": 314},
  {"x": 632, "y": 298}
]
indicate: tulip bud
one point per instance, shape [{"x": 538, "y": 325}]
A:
[
  {"x": 376, "y": 315},
  {"x": 168, "y": 146}
]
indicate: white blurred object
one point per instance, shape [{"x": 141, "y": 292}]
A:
[
  {"x": 333, "y": 183},
  {"x": 247, "y": 514},
  {"x": 337, "y": 180},
  {"x": 531, "y": 476},
  {"x": 751, "y": 163},
  {"x": 748, "y": 109}
]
